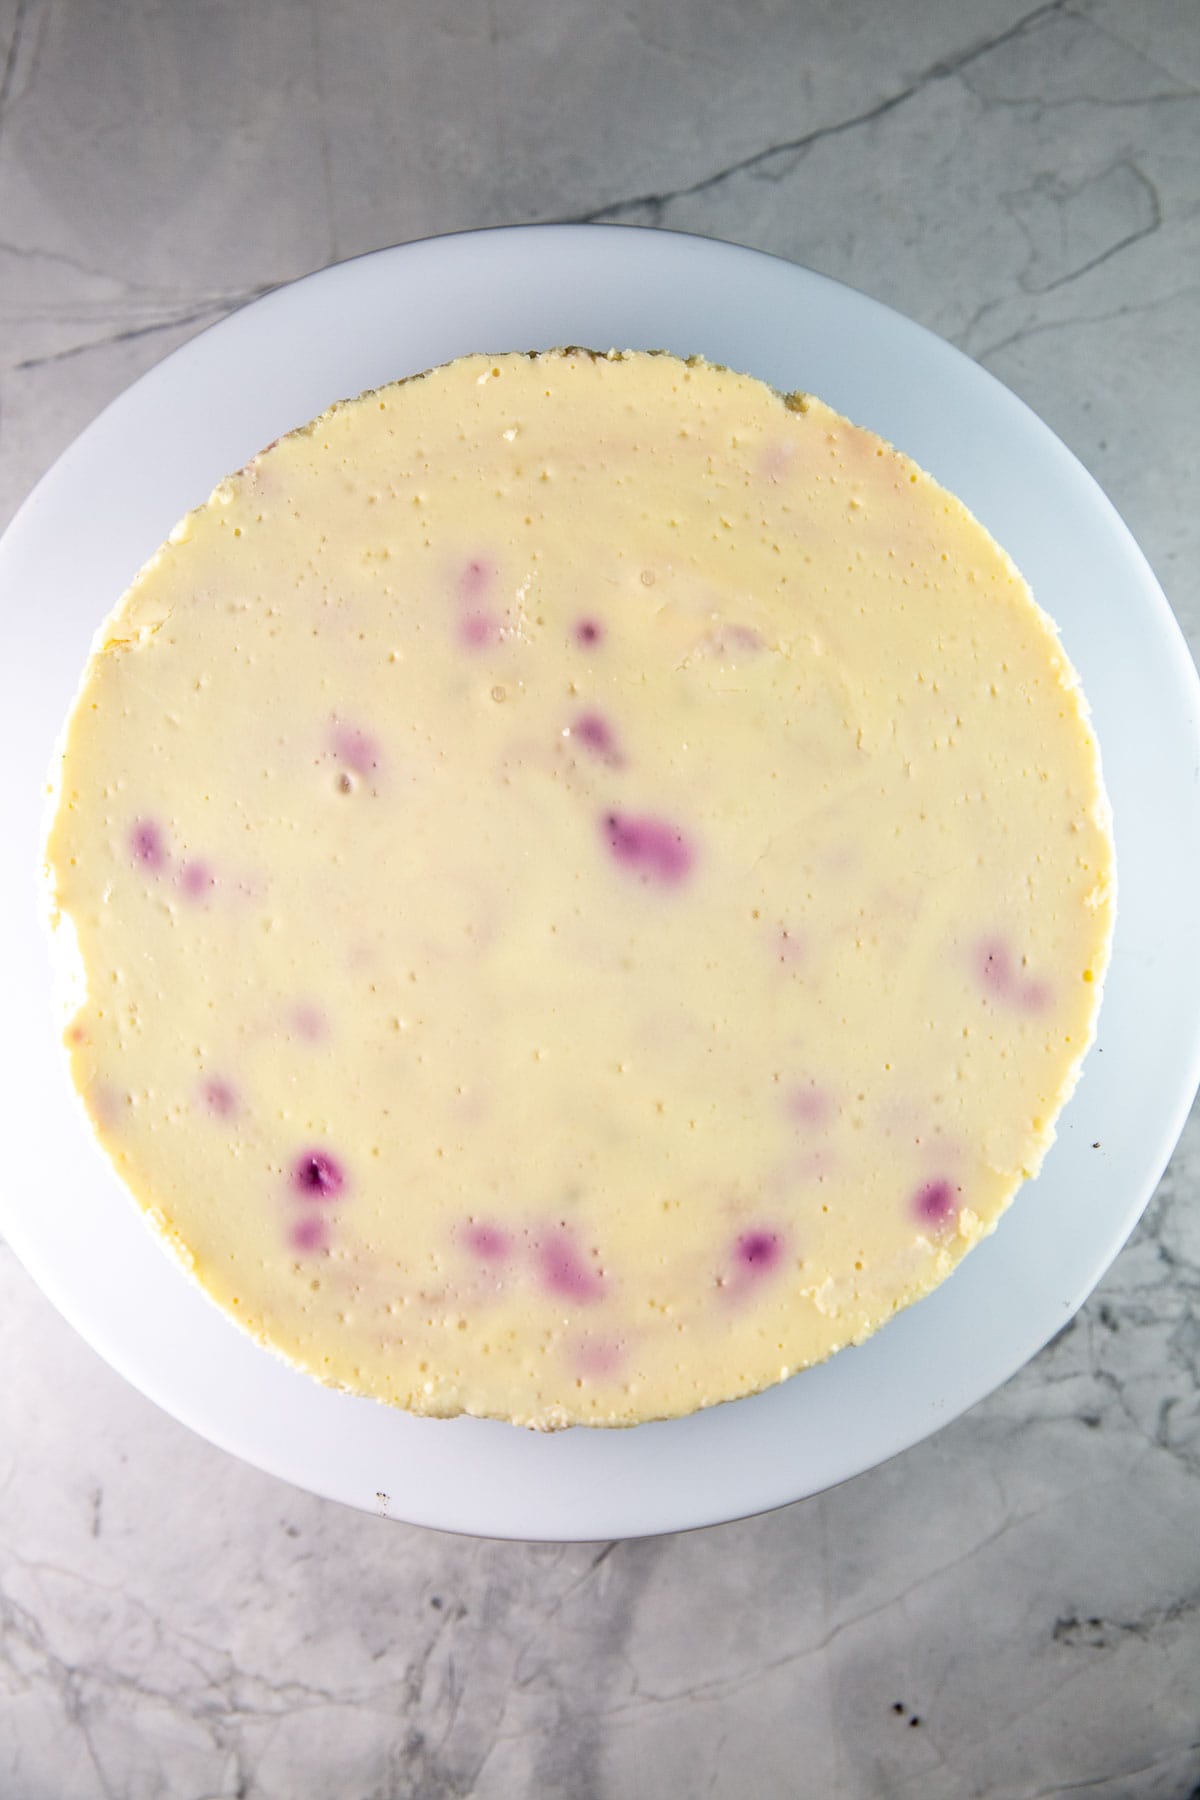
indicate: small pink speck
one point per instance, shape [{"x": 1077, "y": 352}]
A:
[
  {"x": 356, "y": 748},
  {"x": 1001, "y": 977},
  {"x": 477, "y": 629},
  {"x": 995, "y": 969},
  {"x": 488, "y": 1242},
  {"x": 219, "y": 1098},
  {"x": 310, "y": 1234},
  {"x": 597, "y": 1357},
  {"x": 588, "y": 631},
  {"x": 935, "y": 1203},
  {"x": 814, "y": 1165},
  {"x": 789, "y": 946},
  {"x": 475, "y": 580},
  {"x": 596, "y": 734},
  {"x": 809, "y": 1105},
  {"x": 105, "y": 1104},
  {"x": 196, "y": 879},
  {"x": 310, "y": 1023},
  {"x": 145, "y": 840},
  {"x": 650, "y": 848},
  {"x": 565, "y": 1272}
]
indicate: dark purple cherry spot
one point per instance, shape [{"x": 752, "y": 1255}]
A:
[
  {"x": 596, "y": 734},
  {"x": 317, "y": 1176},
  {"x": 309, "y": 1234},
  {"x": 219, "y": 1097},
  {"x": 652, "y": 849},
  {"x": 196, "y": 879},
  {"x": 565, "y": 1272},
  {"x": 146, "y": 842},
  {"x": 488, "y": 1242},
  {"x": 936, "y": 1202},
  {"x": 588, "y": 631},
  {"x": 759, "y": 1251}
]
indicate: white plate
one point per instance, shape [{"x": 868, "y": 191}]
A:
[{"x": 160, "y": 448}]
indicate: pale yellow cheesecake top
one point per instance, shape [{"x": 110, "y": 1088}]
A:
[{"x": 591, "y": 883}]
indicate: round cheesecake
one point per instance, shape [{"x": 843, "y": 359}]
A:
[{"x": 587, "y": 882}]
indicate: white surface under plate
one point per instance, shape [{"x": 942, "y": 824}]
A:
[{"x": 203, "y": 412}]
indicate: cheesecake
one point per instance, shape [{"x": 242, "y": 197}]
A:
[{"x": 587, "y": 884}]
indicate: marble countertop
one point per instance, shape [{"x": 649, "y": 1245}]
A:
[{"x": 1012, "y": 1609}]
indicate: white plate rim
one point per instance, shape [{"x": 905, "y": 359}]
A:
[{"x": 745, "y": 308}]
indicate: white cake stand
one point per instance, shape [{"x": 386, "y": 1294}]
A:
[{"x": 160, "y": 448}]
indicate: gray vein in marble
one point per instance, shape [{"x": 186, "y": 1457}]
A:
[
  {"x": 217, "y": 307},
  {"x": 8, "y": 77},
  {"x": 1132, "y": 42},
  {"x": 35, "y": 254},
  {"x": 984, "y": 352},
  {"x": 789, "y": 150},
  {"x": 1121, "y": 187}
]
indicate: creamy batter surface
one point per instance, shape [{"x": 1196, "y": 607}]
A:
[{"x": 588, "y": 883}]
